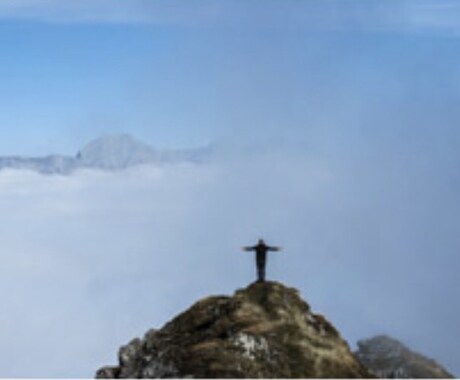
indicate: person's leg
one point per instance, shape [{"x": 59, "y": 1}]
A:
[
  {"x": 262, "y": 273},
  {"x": 260, "y": 269}
]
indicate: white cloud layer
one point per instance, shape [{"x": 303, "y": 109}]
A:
[{"x": 92, "y": 260}]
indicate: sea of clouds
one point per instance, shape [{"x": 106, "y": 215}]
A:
[{"x": 94, "y": 259}]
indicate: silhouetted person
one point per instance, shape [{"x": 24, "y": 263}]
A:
[{"x": 261, "y": 250}]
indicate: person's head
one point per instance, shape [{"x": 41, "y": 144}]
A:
[{"x": 261, "y": 242}]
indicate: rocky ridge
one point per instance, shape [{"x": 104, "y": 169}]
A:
[
  {"x": 264, "y": 330},
  {"x": 388, "y": 358},
  {"x": 112, "y": 152}
]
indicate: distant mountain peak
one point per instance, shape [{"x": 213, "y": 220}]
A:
[
  {"x": 109, "y": 152},
  {"x": 116, "y": 152}
]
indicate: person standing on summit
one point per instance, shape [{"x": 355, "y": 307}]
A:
[{"x": 261, "y": 250}]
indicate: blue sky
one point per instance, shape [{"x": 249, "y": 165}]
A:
[
  {"x": 179, "y": 75},
  {"x": 346, "y": 111}
]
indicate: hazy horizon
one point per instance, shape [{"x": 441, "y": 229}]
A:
[{"x": 334, "y": 128}]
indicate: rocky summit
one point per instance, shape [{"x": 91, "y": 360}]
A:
[
  {"x": 388, "y": 358},
  {"x": 265, "y": 330}
]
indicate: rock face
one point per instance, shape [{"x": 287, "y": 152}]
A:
[
  {"x": 265, "y": 330},
  {"x": 386, "y": 357}
]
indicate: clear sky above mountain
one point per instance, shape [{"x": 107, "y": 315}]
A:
[
  {"x": 173, "y": 73},
  {"x": 338, "y": 123}
]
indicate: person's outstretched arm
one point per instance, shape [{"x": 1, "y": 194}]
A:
[
  {"x": 274, "y": 248},
  {"x": 248, "y": 249}
]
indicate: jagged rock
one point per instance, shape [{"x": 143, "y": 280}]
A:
[
  {"x": 108, "y": 372},
  {"x": 388, "y": 358},
  {"x": 264, "y": 330}
]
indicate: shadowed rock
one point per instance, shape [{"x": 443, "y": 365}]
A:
[{"x": 386, "y": 357}]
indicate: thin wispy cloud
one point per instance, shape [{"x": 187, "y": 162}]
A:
[
  {"x": 426, "y": 16},
  {"x": 107, "y": 11}
]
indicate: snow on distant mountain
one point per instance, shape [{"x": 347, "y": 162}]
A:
[
  {"x": 113, "y": 152},
  {"x": 116, "y": 152}
]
